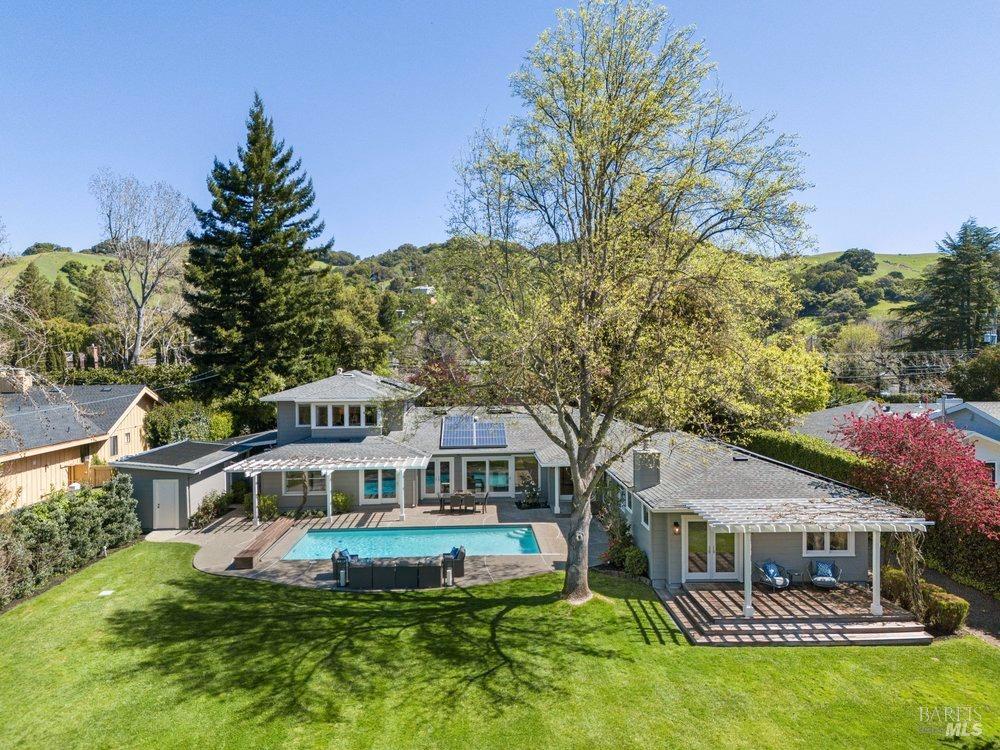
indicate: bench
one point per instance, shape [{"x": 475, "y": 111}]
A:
[{"x": 248, "y": 556}]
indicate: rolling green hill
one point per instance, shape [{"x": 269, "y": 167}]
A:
[
  {"x": 910, "y": 265},
  {"x": 48, "y": 265}
]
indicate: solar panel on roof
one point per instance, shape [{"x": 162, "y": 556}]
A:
[{"x": 464, "y": 431}]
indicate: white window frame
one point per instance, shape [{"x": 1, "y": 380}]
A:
[
  {"x": 826, "y": 551},
  {"x": 381, "y": 498},
  {"x": 644, "y": 515},
  {"x": 313, "y": 408},
  {"x": 297, "y": 475},
  {"x": 509, "y": 460},
  {"x": 298, "y": 422}
]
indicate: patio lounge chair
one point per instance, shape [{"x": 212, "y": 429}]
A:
[
  {"x": 383, "y": 573},
  {"x": 430, "y": 569},
  {"x": 359, "y": 574},
  {"x": 824, "y": 573},
  {"x": 407, "y": 572},
  {"x": 456, "y": 561},
  {"x": 776, "y": 576}
]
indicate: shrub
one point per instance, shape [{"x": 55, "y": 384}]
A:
[
  {"x": 213, "y": 505},
  {"x": 946, "y": 612},
  {"x": 84, "y": 513},
  {"x": 341, "y": 502},
  {"x": 121, "y": 521},
  {"x": 943, "y": 612},
  {"x": 267, "y": 507},
  {"x": 41, "y": 528},
  {"x": 635, "y": 562},
  {"x": 805, "y": 451},
  {"x": 16, "y": 577},
  {"x": 186, "y": 419}
]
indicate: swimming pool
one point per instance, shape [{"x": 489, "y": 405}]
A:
[{"x": 319, "y": 544}]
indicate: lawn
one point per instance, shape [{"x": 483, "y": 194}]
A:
[{"x": 177, "y": 658}]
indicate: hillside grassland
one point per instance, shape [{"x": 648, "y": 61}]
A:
[
  {"x": 911, "y": 265},
  {"x": 48, "y": 265},
  {"x": 174, "y": 658}
]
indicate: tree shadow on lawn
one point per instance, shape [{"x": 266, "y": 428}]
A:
[{"x": 302, "y": 653}]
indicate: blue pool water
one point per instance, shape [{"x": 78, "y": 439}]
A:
[{"x": 319, "y": 544}]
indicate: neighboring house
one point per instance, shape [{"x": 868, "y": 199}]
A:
[
  {"x": 170, "y": 482},
  {"x": 701, "y": 510},
  {"x": 49, "y": 432},
  {"x": 824, "y": 423},
  {"x": 980, "y": 421}
]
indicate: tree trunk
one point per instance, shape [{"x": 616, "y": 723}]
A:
[
  {"x": 576, "y": 588},
  {"x": 140, "y": 326}
]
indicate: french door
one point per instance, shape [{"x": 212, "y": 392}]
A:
[
  {"x": 709, "y": 555},
  {"x": 438, "y": 478}
]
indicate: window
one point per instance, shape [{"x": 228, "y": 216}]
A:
[
  {"x": 341, "y": 415},
  {"x": 430, "y": 483},
  {"x": 645, "y": 515},
  {"x": 565, "y": 482},
  {"x": 128, "y": 438},
  {"x": 992, "y": 468},
  {"x": 525, "y": 473},
  {"x": 371, "y": 416},
  {"x": 475, "y": 476},
  {"x": 322, "y": 416},
  {"x": 379, "y": 484},
  {"x": 499, "y": 476},
  {"x": 113, "y": 450},
  {"x": 302, "y": 413},
  {"x": 338, "y": 416},
  {"x": 354, "y": 416},
  {"x": 625, "y": 499},
  {"x": 827, "y": 543},
  {"x": 294, "y": 480}
]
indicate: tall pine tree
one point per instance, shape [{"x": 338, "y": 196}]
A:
[
  {"x": 256, "y": 310},
  {"x": 33, "y": 291},
  {"x": 960, "y": 293},
  {"x": 64, "y": 301}
]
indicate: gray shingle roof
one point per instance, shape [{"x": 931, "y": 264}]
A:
[
  {"x": 422, "y": 430},
  {"x": 823, "y": 423},
  {"x": 187, "y": 455},
  {"x": 353, "y": 385},
  {"x": 729, "y": 486},
  {"x": 44, "y": 417},
  {"x": 992, "y": 408}
]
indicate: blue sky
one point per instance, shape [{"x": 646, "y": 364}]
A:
[{"x": 896, "y": 103}]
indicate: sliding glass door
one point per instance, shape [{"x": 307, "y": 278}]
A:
[
  {"x": 493, "y": 475},
  {"x": 437, "y": 478}
]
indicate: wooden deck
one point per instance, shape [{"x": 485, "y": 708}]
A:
[{"x": 712, "y": 614}]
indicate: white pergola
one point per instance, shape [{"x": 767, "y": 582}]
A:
[
  {"x": 851, "y": 512},
  {"x": 253, "y": 467}
]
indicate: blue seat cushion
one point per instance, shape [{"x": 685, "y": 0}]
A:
[
  {"x": 771, "y": 570},
  {"x": 455, "y": 552},
  {"x": 823, "y": 569}
]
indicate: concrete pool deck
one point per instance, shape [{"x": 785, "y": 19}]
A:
[{"x": 221, "y": 540}]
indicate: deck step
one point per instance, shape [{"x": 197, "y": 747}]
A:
[{"x": 701, "y": 628}]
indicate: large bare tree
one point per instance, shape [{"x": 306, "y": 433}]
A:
[
  {"x": 147, "y": 226},
  {"x": 601, "y": 231}
]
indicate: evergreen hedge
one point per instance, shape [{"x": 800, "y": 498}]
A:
[
  {"x": 63, "y": 533},
  {"x": 805, "y": 451}
]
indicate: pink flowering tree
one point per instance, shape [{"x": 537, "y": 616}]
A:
[{"x": 926, "y": 466}]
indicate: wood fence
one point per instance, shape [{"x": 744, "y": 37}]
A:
[{"x": 92, "y": 475}]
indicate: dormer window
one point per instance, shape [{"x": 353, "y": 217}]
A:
[{"x": 338, "y": 415}]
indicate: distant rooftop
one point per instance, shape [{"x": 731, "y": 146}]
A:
[{"x": 352, "y": 385}]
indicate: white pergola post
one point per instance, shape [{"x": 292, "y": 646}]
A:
[
  {"x": 555, "y": 489},
  {"x": 747, "y": 577},
  {"x": 401, "y": 493},
  {"x": 253, "y": 489},
  {"x": 329, "y": 496},
  {"x": 876, "y": 573}
]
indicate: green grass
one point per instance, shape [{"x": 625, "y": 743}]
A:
[{"x": 177, "y": 658}]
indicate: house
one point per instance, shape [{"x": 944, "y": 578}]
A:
[
  {"x": 171, "y": 481},
  {"x": 823, "y": 424},
  {"x": 980, "y": 421},
  {"x": 700, "y": 509},
  {"x": 53, "y": 434}
]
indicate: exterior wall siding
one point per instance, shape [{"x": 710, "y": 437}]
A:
[
  {"x": 271, "y": 483},
  {"x": 30, "y": 479},
  {"x": 786, "y": 549},
  {"x": 287, "y": 430}
]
